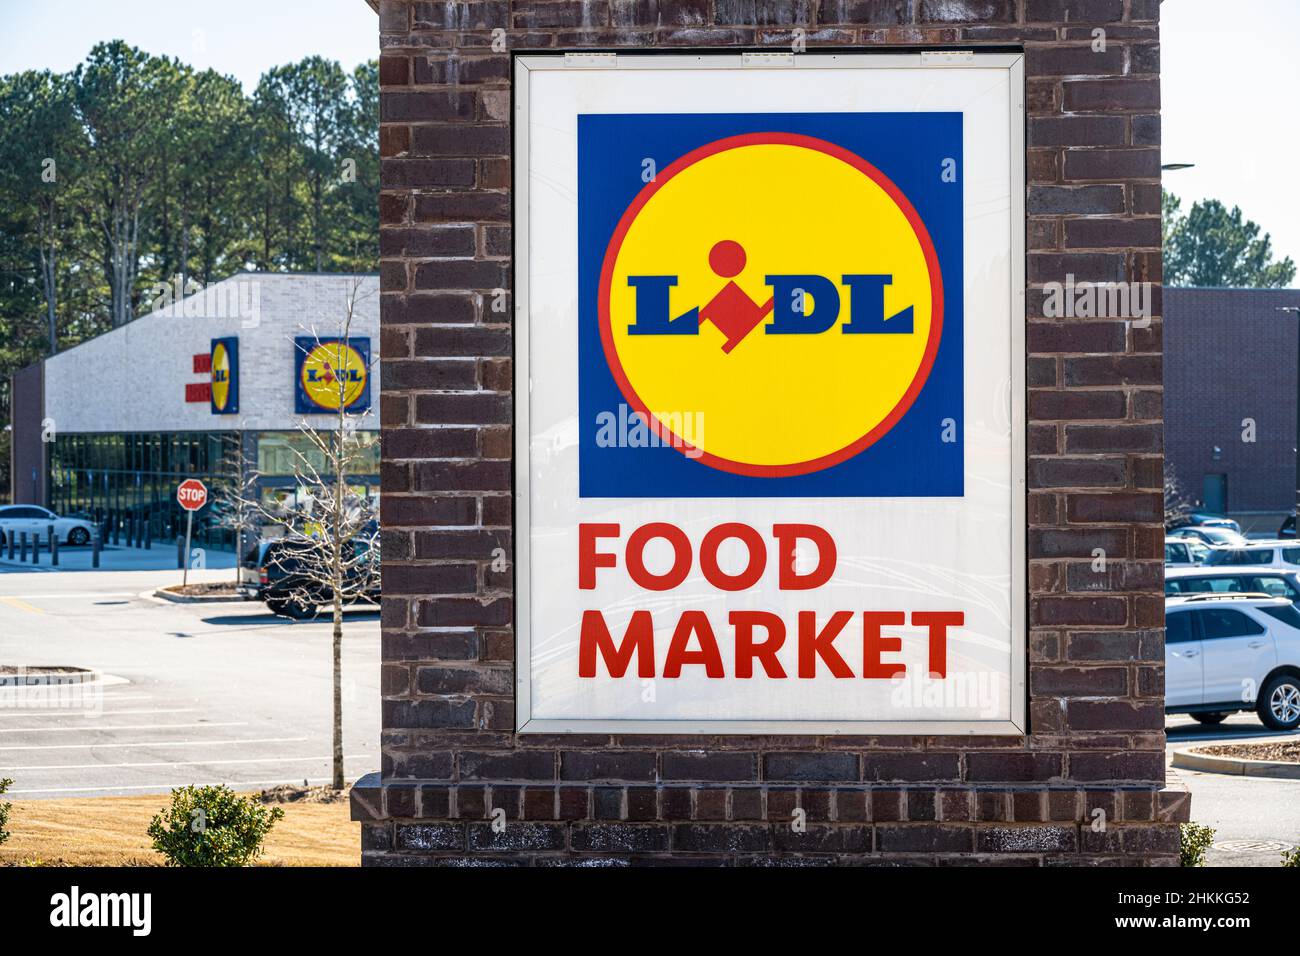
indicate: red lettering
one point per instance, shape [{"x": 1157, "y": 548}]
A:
[
  {"x": 709, "y": 557},
  {"x": 639, "y": 639},
  {"x": 747, "y": 651},
  {"x": 786, "y": 536},
  {"x": 813, "y": 644},
  {"x": 675, "y": 575},
  {"x": 938, "y": 623},
  {"x": 873, "y": 643},
  {"x": 589, "y": 559},
  {"x": 693, "y": 622}
]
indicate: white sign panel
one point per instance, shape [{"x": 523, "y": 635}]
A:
[{"x": 769, "y": 394}]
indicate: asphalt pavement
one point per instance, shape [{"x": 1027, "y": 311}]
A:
[
  {"x": 1255, "y": 817},
  {"x": 192, "y": 693}
]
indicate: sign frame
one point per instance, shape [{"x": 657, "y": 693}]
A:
[
  {"x": 1012, "y": 62},
  {"x": 231, "y": 344}
]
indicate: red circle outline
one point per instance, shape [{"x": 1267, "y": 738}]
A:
[{"x": 936, "y": 300}]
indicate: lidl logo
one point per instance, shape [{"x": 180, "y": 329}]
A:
[
  {"x": 777, "y": 307},
  {"x": 332, "y": 373},
  {"x": 224, "y": 369}
]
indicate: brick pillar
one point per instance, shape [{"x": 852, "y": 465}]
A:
[{"x": 1096, "y": 684}]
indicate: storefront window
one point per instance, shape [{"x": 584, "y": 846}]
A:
[
  {"x": 108, "y": 476},
  {"x": 278, "y": 454}
]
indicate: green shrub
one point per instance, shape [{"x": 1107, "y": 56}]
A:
[
  {"x": 1194, "y": 840},
  {"x": 211, "y": 826},
  {"x": 1291, "y": 857},
  {"x": 5, "y": 784}
]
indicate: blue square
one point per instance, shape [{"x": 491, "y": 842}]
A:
[{"x": 921, "y": 454}]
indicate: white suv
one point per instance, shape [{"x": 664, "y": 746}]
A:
[
  {"x": 1265, "y": 554},
  {"x": 1184, "y": 552},
  {"x": 1230, "y": 652}
]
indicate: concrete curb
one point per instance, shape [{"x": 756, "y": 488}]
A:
[
  {"x": 33, "y": 677},
  {"x": 167, "y": 595},
  {"x": 1207, "y": 763}
]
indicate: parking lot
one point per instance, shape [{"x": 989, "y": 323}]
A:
[
  {"x": 225, "y": 692},
  {"x": 1253, "y": 816},
  {"x": 192, "y": 693}
]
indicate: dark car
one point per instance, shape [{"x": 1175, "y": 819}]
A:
[
  {"x": 1288, "y": 527},
  {"x": 279, "y": 573},
  {"x": 1205, "y": 519}
]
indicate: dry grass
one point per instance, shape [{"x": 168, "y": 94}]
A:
[{"x": 110, "y": 831}]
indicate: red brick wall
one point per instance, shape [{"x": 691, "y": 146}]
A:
[
  {"x": 1096, "y": 741},
  {"x": 27, "y": 450}
]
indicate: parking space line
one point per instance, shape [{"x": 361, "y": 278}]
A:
[
  {"x": 74, "y": 594},
  {"x": 156, "y": 744},
  {"x": 21, "y": 605},
  {"x": 8, "y": 693},
  {"x": 185, "y": 763},
  {"x": 162, "y": 788},
  {"x": 115, "y": 713},
  {"x": 83, "y": 728}
]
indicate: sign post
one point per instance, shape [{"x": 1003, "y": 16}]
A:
[{"x": 191, "y": 495}]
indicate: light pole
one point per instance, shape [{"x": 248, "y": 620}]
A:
[{"x": 1296, "y": 310}]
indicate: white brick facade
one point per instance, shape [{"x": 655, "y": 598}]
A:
[{"x": 133, "y": 379}]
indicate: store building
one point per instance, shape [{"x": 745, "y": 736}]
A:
[
  {"x": 1230, "y": 401},
  {"x": 211, "y": 385}
]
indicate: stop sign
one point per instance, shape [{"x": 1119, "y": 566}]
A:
[{"x": 192, "y": 494}]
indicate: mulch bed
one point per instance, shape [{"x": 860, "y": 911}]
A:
[
  {"x": 288, "y": 793},
  {"x": 1287, "y": 751},
  {"x": 206, "y": 589}
]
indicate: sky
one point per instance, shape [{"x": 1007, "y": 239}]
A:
[
  {"x": 239, "y": 37},
  {"x": 1229, "y": 104},
  {"x": 1228, "y": 94}
]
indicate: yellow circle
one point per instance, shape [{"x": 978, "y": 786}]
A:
[
  {"x": 774, "y": 400},
  {"x": 333, "y": 370},
  {"x": 220, "y": 376}
]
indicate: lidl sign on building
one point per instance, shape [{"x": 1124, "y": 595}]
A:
[
  {"x": 330, "y": 373},
  {"x": 768, "y": 396}
]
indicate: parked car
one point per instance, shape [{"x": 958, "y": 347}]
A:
[
  {"x": 1287, "y": 530},
  {"x": 1256, "y": 554},
  {"x": 277, "y": 572},
  {"x": 1202, "y": 580},
  {"x": 1214, "y": 536},
  {"x": 35, "y": 520},
  {"x": 1184, "y": 552},
  {"x": 1226, "y": 653},
  {"x": 1204, "y": 519},
  {"x": 250, "y": 571}
]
